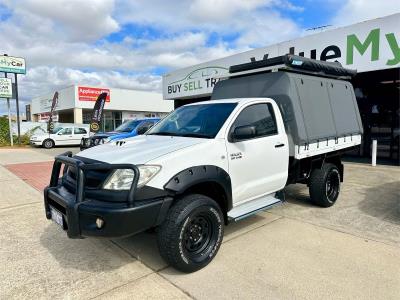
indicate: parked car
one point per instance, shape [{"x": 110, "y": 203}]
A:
[
  {"x": 211, "y": 163},
  {"x": 127, "y": 129},
  {"x": 61, "y": 136}
]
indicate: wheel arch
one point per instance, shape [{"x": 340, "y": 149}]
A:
[
  {"x": 208, "y": 180},
  {"x": 332, "y": 158}
]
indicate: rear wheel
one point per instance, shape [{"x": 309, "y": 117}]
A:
[
  {"x": 48, "y": 144},
  {"x": 192, "y": 233},
  {"x": 325, "y": 185}
]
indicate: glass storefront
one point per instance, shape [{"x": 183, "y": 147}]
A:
[
  {"x": 378, "y": 97},
  {"x": 111, "y": 119}
]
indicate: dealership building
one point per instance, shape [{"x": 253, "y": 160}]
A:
[
  {"x": 371, "y": 47},
  {"x": 75, "y": 105}
]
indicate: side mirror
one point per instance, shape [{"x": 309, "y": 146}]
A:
[
  {"x": 142, "y": 130},
  {"x": 243, "y": 133}
]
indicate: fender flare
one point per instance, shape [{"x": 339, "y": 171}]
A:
[{"x": 192, "y": 176}]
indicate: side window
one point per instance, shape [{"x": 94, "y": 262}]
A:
[
  {"x": 261, "y": 116},
  {"x": 145, "y": 126},
  {"x": 66, "y": 131},
  {"x": 79, "y": 130}
]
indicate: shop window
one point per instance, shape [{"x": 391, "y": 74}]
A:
[{"x": 117, "y": 116}]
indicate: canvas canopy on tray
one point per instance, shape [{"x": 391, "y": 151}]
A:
[{"x": 314, "y": 108}]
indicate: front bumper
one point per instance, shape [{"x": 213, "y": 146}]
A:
[
  {"x": 92, "y": 141},
  {"x": 79, "y": 213},
  {"x": 35, "y": 142}
]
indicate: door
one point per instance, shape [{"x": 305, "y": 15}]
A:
[
  {"x": 64, "y": 137},
  {"x": 79, "y": 133},
  {"x": 257, "y": 165}
]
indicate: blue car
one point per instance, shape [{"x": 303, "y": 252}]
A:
[{"x": 127, "y": 129}]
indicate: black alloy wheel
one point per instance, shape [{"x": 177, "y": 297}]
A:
[
  {"x": 324, "y": 185},
  {"x": 192, "y": 233}
]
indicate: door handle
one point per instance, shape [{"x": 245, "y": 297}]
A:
[{"x": 279, "y": 145}]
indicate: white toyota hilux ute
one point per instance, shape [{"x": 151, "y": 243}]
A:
[{"x": 203, "y": 166}]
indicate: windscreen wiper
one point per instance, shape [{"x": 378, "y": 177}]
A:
[
  {"x": 164, "y": 133},
  {"x": 197, "y": 135}
]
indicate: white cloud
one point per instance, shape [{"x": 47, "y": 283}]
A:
[
  {"x": 84, "y": 21},
  {"x": 62, "y": 40},
  {"x": 44, "y": 79},
  {"x": 222, "y": 11},
  {"x": 222, "y": 16},
  {"x": 360, "y": 10}
]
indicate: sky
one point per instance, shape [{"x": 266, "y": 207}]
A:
[{"x": 131, "y": 43}]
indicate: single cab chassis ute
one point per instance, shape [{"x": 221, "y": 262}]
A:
[{"x": 270, "y": 123}]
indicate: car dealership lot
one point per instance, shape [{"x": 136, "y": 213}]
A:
[{"x": 351, "y": 250}]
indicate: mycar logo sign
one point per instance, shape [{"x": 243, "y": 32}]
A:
[
  {"x": 91, "y": 94},
  {"x": 366, "y": 46},
  {"x": 12, "y": 64}
]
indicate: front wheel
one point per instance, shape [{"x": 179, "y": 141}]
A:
[
  {"x": 192, "y": 233},
  {"x": 48, "y": 144},
  {"x": 325, "y": 185}
]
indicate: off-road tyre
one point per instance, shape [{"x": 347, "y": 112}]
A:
[
  {"x": 324, "y": 185},
  {"x": 192, "y": 233},
  {"x": 48, "y": 143}
]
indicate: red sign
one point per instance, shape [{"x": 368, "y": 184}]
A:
[
  {"x": 91, "y": 94},
  {"x": 45, "y": 117}
]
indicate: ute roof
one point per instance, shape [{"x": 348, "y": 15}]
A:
[
  {"x": 229, "y": 100},
  {"x": 293, "y": 63}
]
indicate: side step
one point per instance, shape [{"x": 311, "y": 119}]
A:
[{"x": 249, "y": 208}]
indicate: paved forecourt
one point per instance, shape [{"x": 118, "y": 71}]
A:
[
  {"x": 37, "y": 260},
  {"x": 351, "y": 250}
]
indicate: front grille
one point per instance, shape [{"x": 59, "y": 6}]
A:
[
  {"x": 95, "y": 174},
  {"x": 93, "y": 178}
]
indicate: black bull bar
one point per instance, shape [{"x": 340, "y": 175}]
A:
[
  {"x": 81, "y": 169},
  {"x": 79, "y": 213}
]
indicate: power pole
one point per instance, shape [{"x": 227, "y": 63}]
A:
[
  {"x": 16, "y": 98},
  {"x": 9, "y": 117}
]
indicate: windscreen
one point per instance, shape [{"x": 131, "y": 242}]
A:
[
  {"x": 55, "y": 130},
  {"x": 127, "y": 126},
  {"x": 201, "y": 120}
]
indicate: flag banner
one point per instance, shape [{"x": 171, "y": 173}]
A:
[
  {"x": 98, "y": 113},
  {"x": 54, "y": 103}
]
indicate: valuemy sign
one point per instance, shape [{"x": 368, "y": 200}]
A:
[
  {"x": 5, "y": 88},
  {"x": 12, "y": 64},
  {"x": 367, "y": 46}
]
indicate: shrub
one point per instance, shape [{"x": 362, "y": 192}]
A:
[
  {"x": 4, "y": 131},
  {"x": 24, "y": 139}
]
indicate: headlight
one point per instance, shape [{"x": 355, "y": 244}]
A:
[
  {"x": 122, "y": 179},
  {"x": 107, "y": 140}
]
